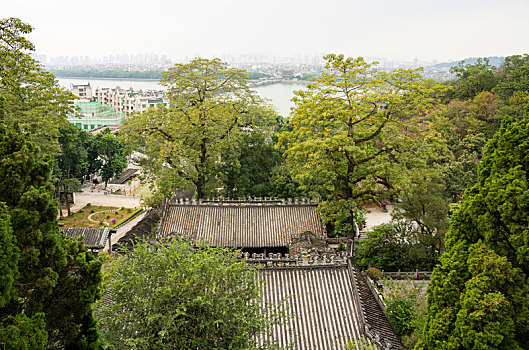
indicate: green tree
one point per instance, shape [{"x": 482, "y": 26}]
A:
[
  {"x": 72, "y": 162},
  {"x": 514, "y": 76},
  {"x": 382, "y": 248},
  {"x": 424, "y": 209},
  {"x": 479, "y": 295},
  {"x": 32, "y": 95},
  {"x": 473, "y": 79},
  {"x": 51, "y": 281},
  {"x": 110, "y": 155},
  {"x": 251, "y": 175},
  {"x": 355, "y": 130},
  {"x": 187, "y": 142},
  {"x": 174, "y": 295}
]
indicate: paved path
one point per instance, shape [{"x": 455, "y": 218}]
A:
[
  {"x": 100, "y": 198},
  {"x": 376, "y": 217},
  {"x": 126, "y": 228}
]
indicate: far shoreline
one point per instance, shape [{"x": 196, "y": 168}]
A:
[{"x": 252, "y": 82}]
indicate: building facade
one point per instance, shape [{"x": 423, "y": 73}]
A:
[{"x": 92, "y": 115}]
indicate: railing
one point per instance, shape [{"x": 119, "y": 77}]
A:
[
  {"x": 286, "y": 260},
  {"x": 242, "y": 200},
  {"x": 413, "y": 275}
]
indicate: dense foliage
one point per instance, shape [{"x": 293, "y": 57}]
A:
[
  {"x": 107, "y": 155},
  {"x": 406, "y": 309},
  {"x": 174, "y": 295},
  {"x": 354, "y": 131},
  {"x": 479, "y": 292},
  {"x": 188, "y": 142},
  {"x": 50, "y": 281}
]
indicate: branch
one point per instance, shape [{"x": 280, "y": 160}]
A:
[{"x": 379, "y": 129}]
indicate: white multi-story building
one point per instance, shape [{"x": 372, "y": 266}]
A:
[
  {"x": 82, "y": 90},
  {"x": 129, "y": 101}
]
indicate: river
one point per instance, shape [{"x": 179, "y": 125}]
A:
[{"x": 279, "y": 94}]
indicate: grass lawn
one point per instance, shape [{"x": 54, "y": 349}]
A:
[{"x": 100, "y": 215}]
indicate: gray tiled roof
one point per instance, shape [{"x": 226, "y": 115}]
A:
[
  {"x": 241, "y": 225},
  {"x": 329, "y": 306},
  {"x": 326, "y": 314},
  {"x": 94, "y": 238}
]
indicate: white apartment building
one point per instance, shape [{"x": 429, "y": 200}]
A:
[
  {"x": 82, "y": 90},
  {"x": 129, "y": 101}
]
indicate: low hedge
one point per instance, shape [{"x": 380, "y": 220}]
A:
[{"x": 133, "y": 214}]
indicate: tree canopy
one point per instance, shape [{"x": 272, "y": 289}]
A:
[
  {"x": 173, "y": 295},
  {"x": 32, "y": 95},
  {"x": 107, "y": 155},
  {"x": 354, "y": 132},
  {"x": 186, "y": 142},
  {"x": 479, "y": 293},
  {"x": 49, "y": 282}
]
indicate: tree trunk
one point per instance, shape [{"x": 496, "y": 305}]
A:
[{"x": 201, "y": 181}]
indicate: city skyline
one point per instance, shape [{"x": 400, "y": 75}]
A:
[{"x": 406, "y": 30}]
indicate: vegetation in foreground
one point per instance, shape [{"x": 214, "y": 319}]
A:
[{"x": 173, "y": 295}]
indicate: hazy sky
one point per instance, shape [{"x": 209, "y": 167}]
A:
[{"x": 397, "y": 29}]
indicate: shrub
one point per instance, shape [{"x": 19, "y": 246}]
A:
[
  {"x": 108, "y": 216},
  {"x": 88, "y": 204},
  {"x": 406, "y": 309},
  {"x": 92, "y": 211},
  {"x": 374, "y": 273},
  {"x": 229, "y": 316},
  {"x": 400, "y": 314}
]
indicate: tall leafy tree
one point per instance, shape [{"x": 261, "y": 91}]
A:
[
  {"x": 187, "y": 141},
  {"x": 109, "y": 153},
  {"x": 354, "y": 132},
  {"x": 72, "y": 163},
  {"x": 49, "y": 282},
  {"x": 479, "y": 294},
  {"x": 55, "y": 280},
  {"x": 32, "y": 95}
]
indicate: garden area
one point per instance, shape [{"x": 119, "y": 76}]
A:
[{"x": 98, "y": 216}]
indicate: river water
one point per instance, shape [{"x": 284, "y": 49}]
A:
[{"x": 279, "y": 94}]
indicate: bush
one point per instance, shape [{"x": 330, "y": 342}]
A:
[
  {"x": 374, "y": 273},
  {"x": 88, "y": 204},
  {"x": 116, "y": 213},
  {"x": 108, "y": 216},
  {"x": 92, "y": 211},
  {"x": 129, "y": 210},
  {"x": 381, "y": 248},
  {"x": 400, "y": 314},
  {"x": 184, "y": 312},
  {"x": 406, "y": 309}
]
